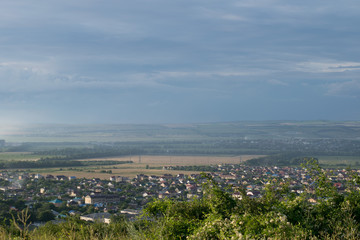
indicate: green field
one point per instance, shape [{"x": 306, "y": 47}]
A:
[
  {"x": 19, "y": 156},
  {"x": 336, "y": 144},
  {"x": 155, "y": 164},
  {"x": 353, "y": 161}
]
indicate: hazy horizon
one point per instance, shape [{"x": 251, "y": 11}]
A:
[
  {"x": 156, "y": 62},
  {"x": 181, "y": 132}
]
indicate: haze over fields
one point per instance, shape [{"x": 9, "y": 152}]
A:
[{"x": 163, "y": 61}]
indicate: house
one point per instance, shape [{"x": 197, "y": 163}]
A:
[
  {"x": 23, "y": 177},
  {"x": 163, "y": 195},
  {"x": 237, "y": 195},
  {"x": 148, "y": 194},
  {"x": 227, "y": 176},
  {"x": 190, "y": 187},
  {"x": 73, "y": 213},
  {"x": 72, "y": 193},
  {"x": 119, "y": 179},
  {"x": 102, "y": 198},
  {"x": 192, "y": 196},
  {"x": 97, "y": 217},
  {"x": 56, "y": 202},
  {"x": 49, "y": 177},
  {"x": 130, "y": 211},
  {"x": 38, "y": 176},
  {"x": 61, "y": 177},
  {"x": 153, "y": 178}
]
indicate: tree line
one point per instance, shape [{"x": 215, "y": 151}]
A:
[
  {"x": 313, "y": 147},
  {"x": 281, "y": 159},
  {"x": 51, "y": 163}
]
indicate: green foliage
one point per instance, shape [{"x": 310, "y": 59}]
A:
[
  {"x": 280, "y": 159},
  {"x": 174, "y": 219},
  {"x": 277, "y": 214},
  {"x": 45, "y": 216},
  {"x": 52, "y": 162},
  {"x": 73, "y": 228},
  {"x": 221, "y": 203}
]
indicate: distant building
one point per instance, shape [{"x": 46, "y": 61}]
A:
[
  {"x": 119, "y": 179},
  {"x": 49, "y": 177},
  {"x": 56, "y": 202},
  {"x": 23, "y": 176},
  {"x": 130, "y": 212},
  {"x": 96, "y": 199},
  {"x": 61, "y": 177},
  {"x": 74, "y": 202},
  {"x": 97, "y": 217},
  {"x": 38, "y": 176}
]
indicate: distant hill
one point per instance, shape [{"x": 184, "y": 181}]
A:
[{"x": 186, "y": 132}]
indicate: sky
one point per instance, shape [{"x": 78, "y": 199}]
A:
[{"x": 181, "y": 61}]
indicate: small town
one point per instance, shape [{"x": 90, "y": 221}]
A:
[{"x": 54, "y": 198}]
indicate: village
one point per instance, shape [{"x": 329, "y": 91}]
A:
[{"x": 52, "y": 198}]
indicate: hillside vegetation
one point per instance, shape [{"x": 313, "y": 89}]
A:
[{"x": 320, "y": 212}]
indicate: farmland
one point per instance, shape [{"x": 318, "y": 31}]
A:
[
  {"x": 149, "y": 165},
  {"x": 153, "y": 165},
  {"x": 160, "y": 161},
  {"x": 94, "y": 150},
  {"x": 18, "y": 156},
  {"x": 245, "y": 154}
]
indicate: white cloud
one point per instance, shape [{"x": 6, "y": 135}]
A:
[
  {"x": 208, "y": 74},
  {"x": 327, "y": 66},
  {"x": 27, "y": 77},
  {"x": 36, "y": 77}
]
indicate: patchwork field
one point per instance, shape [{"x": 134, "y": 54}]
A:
[
  {"x": 60, "y": 146},
  {"x": 150, "y": 165},
  {"x": 156, "y": 161}
]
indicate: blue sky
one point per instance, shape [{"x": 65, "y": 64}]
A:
[{"x": 160, "y": 61}]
